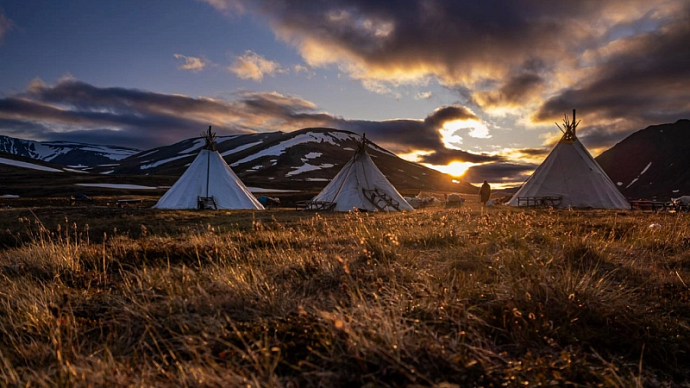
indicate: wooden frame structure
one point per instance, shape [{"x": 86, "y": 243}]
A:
[{"x": 540, "y": 201}]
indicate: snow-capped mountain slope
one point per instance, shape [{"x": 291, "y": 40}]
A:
[
  {"x": 304, "y": 159},
  {"x": 653, "y": 162},
  {"x": 67, "y": 153}
]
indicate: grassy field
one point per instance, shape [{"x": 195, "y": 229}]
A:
[{"x": 440, "y": 297}]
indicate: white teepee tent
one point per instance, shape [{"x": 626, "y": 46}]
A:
[
  {"x": 208, "y": 183},
  {"x": 360, "y": 185},
  {"x": 571, "y": 173}
]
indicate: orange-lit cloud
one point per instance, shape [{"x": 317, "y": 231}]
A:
[
  {"x": 507, "y": 56},
  {"x": 253, "y": 66},
  {"x": 635, "y": 81},
  {"x": 193, "y": 64},
  {"x": 71, "y": 110}
]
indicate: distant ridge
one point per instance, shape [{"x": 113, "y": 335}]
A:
[
  {"x": 651, "y": 163},
  {"x": 304, "y": 160},
  {"x": 63, "y": 152}
]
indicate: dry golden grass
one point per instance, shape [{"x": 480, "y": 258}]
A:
[{"x": 439, "y": 297}]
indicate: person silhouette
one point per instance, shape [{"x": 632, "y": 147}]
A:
[{"x": 484, "y": 193}]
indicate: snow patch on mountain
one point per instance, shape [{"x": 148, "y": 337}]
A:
[
  {"x": 110, "y": 153},
  {"x": 639, "y": 175},
  {"x": 32, "y": 166},
  {"x": 75, "y": 170},
  {"x": 198, "y": 143},
  {"x": 646, "y": 168},
  {"x": 345, "y": 136},
  {"x": 307, "y": 167},
  {"x": 311, "y": 155},
  {"x": 161, "y": 162},
  {"x": 381, "y": 150},
  {"x": 240, "y": 148},
  {"x": 148, "y": 153},
  {"x": 221, "y": 139},
  {"x": 279, "y": 149}
]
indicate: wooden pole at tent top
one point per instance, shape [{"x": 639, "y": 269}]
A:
[
  {"x": 574, "y": 121},
  {"x": 208, "y": 160}
]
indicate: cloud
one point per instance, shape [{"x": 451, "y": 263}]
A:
[
  {"x": 72, "y": 109},
  {"x": 422, "y": 95},
  {"x": 251, "y": 65},
  {"x": 405, "y": 135},
  {"x": 138, "y": 118},
  {"x": 519, "y": 90},
  {"x": 5, "y": 24},
  {"x": 459, "y": 43},
  {"x": 532, "y": 152},
  {"x": 623, "y": 63},
  {"x": 193, "y": 64},
  {"x": 448, "y": 114},
  {"x": 375, "y": 86},
  {"x": 446, "y": 156},
  {"x": 502, "y": 172},
  {"x": 226, "y": 6},
  {"x": 301, "y": 69},
  {"x": 640, "y": 80}
]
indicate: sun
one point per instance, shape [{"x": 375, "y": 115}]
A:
[{"x": 455, "y": 169}]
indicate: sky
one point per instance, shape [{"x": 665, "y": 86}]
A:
[{"x": 472, "y": 88}]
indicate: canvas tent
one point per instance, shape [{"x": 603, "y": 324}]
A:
[
  {"x": 360, "y": 185},
  {"x": 570, "y": 177},
  {"x": 208, "y": 183}
]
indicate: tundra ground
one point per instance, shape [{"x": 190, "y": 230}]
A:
[{"x": 438, "y": 297}]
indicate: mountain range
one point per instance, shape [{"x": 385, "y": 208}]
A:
[
  {"x": 65, "y": 153},
  {"x": 650, "y": 163},
  {"x": 303, "y": 160}
]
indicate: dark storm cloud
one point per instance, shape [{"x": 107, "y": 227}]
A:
[
  {"x": 17, "y": 128},
  {"x": 448, "y": 113},
  {"x": 396, "y": 135},
  {"x": 77, "y": 111},
  {"x": 516, "y": 91},
  {"x": 645, "y": 82},
  {"x": 409, "y": 135},
  {"x": 447, "y": 156},
  {"x": 462, "y": 43},
  {"x": 533, "y": 151},
  {"x": 410, "y": 33},
  {"x": 499, "y": 173},
  {"x": 614, "y": 60}
]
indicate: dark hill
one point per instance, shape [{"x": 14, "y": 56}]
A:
[
  {"x": 653, "y": 162},
  {"x": 303, "y": 160}
]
